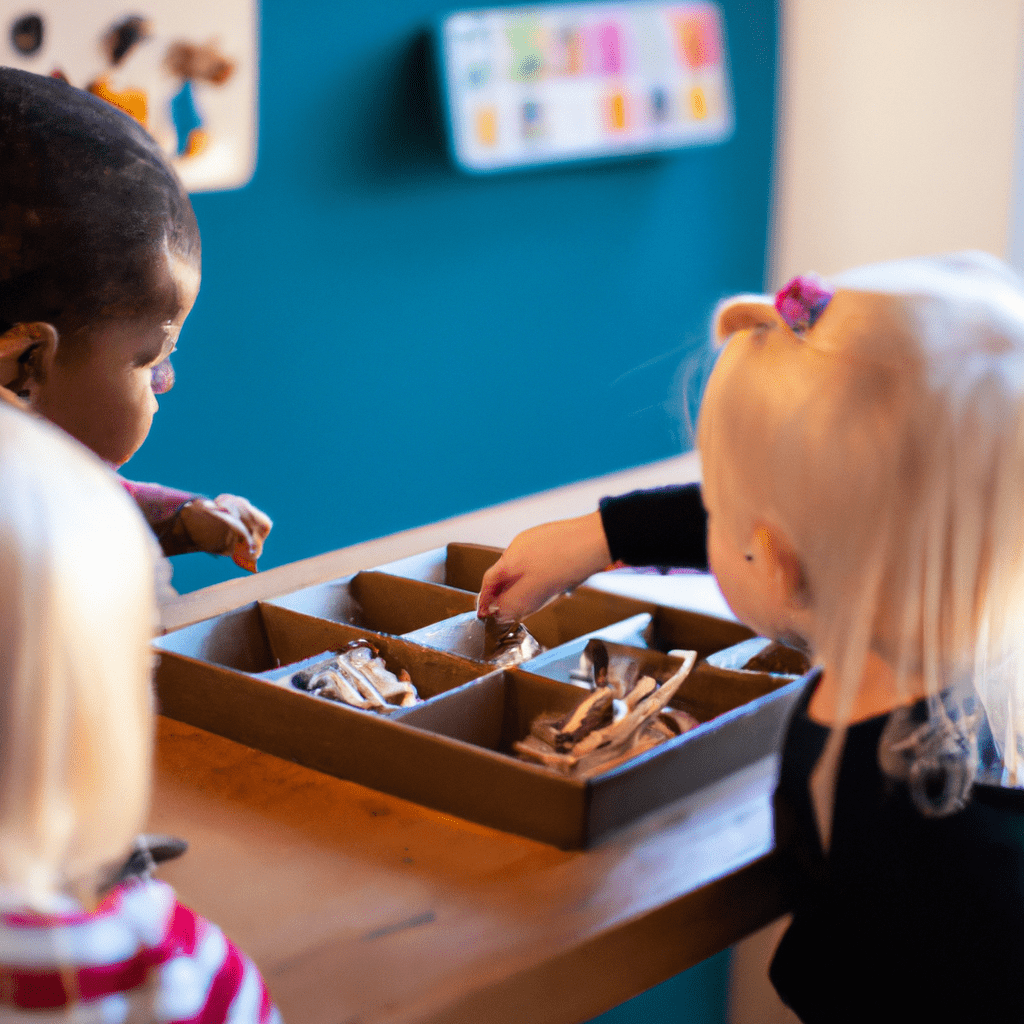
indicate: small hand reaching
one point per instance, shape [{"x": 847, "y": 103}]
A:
[
  {"x": 227, "y": 525},
  {"x": 540, "y": 563}
]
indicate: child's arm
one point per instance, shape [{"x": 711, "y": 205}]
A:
[
  {"x": 227, "y": 525},
  {"x": 185, "y": 522},
  {"x": 198, "y": 974},
  {"x": 666, "y": 526},
  {"x": 540, "y": 563},
  {"x": 662, "y": 526},
  {"x": 213, "y": 980}
]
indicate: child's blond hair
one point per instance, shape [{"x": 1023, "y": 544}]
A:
[
  {"x": 76, "y": 616},
  {"x": 887, "y": 444}
]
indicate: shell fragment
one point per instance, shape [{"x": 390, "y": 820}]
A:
[{"x": 358, "y": 677}]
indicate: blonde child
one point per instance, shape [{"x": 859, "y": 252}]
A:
[
  {"x": 862, "y": 447},
  {"x": 99, "y": 267},
  {"x": 76, "y": 734},
  {"x": 863, "y": 472}
]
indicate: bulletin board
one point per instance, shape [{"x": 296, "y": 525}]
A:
[{"x": 187, "y": 71}]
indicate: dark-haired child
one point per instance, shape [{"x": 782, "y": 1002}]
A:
[{"x": 99, "y": 267}]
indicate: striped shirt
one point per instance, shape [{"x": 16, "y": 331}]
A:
[{"x": 139, "y": 956}]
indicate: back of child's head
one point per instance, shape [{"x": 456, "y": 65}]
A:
[
  {"x": 87, "y": 204},
  {"x": 883, "y": 437},
  {"x": 76, "y": 617}
]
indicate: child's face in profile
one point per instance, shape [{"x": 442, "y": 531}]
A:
[
  {"x": 739, "y": 552},
  {"x": 103, "y": 391},
  {"x": 741, "y": 583}
]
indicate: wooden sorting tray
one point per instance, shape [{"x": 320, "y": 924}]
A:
[{"x": 452, "y": 751}]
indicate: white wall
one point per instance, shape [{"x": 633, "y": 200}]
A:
[{"x": 898, "y": 130}]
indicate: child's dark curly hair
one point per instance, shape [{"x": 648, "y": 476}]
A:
[{"x": 87, "y": 204}]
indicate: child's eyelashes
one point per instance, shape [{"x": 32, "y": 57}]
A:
[{"x": 163, "y": 377}]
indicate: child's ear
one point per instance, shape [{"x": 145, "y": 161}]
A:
[
  {"x": 782, "y": 564},
  {"x": 27, "y": 352},
  {"x": 743, "y": 313}
]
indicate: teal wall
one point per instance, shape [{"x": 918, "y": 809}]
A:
[
  {"x": 381, "y": 341},
  {"x": 697, "y": 996}
]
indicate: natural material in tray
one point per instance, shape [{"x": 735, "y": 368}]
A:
[
  {"x": 624, "y": 715},
  {"x": 358, "y": 676}
]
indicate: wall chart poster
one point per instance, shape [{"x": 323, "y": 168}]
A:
[
  {"x": 559, "y": 82},
  {"x": 187, "y": 71}
]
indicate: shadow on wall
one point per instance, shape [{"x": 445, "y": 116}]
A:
[{"x": 405, "y": 135}]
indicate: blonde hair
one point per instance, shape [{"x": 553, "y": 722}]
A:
[
  {"x": 76, "y": 616},
  {"x": 887, "y": 444}
]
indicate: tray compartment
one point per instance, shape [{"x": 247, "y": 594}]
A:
[
  {"x": 485, "y": 719},
  {"x": 677, "y": 628},
  {"x": 705, "y": 693},
  {"x": 458, "y": 565},
  {"x": 763, "y": 655},
  {"x": 582, "y": 612},
  {"x": 496, "y": 712},
  {"x": 268, "y": 644},
  {"x": 660, "y": 629},
  {"x": 378, "y": 601}
]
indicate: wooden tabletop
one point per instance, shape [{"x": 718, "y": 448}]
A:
[{"x": 359, "y": 906}]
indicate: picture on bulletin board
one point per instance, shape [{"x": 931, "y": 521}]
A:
[
  {"x": 537, "y": 85},
  {"x": 186, "y": 71}
]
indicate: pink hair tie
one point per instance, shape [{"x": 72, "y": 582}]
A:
[{"x": 802, "y": 301}]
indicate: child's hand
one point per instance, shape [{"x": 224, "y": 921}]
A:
[
  {"x": 227, "y": 525},
  {"x": 540, "y": 563}
]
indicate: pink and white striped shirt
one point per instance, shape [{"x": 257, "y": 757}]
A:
[{"x": 139, "y": 956}]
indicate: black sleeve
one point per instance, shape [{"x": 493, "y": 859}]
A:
[{"x": 664, "y": 526}]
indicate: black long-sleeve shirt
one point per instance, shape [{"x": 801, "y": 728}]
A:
[
  {"x": 906, "y": 917},
  {"x": 665, "y": 526}
]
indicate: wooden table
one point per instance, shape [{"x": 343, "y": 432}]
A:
[{"x": 359, "y": 906}]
